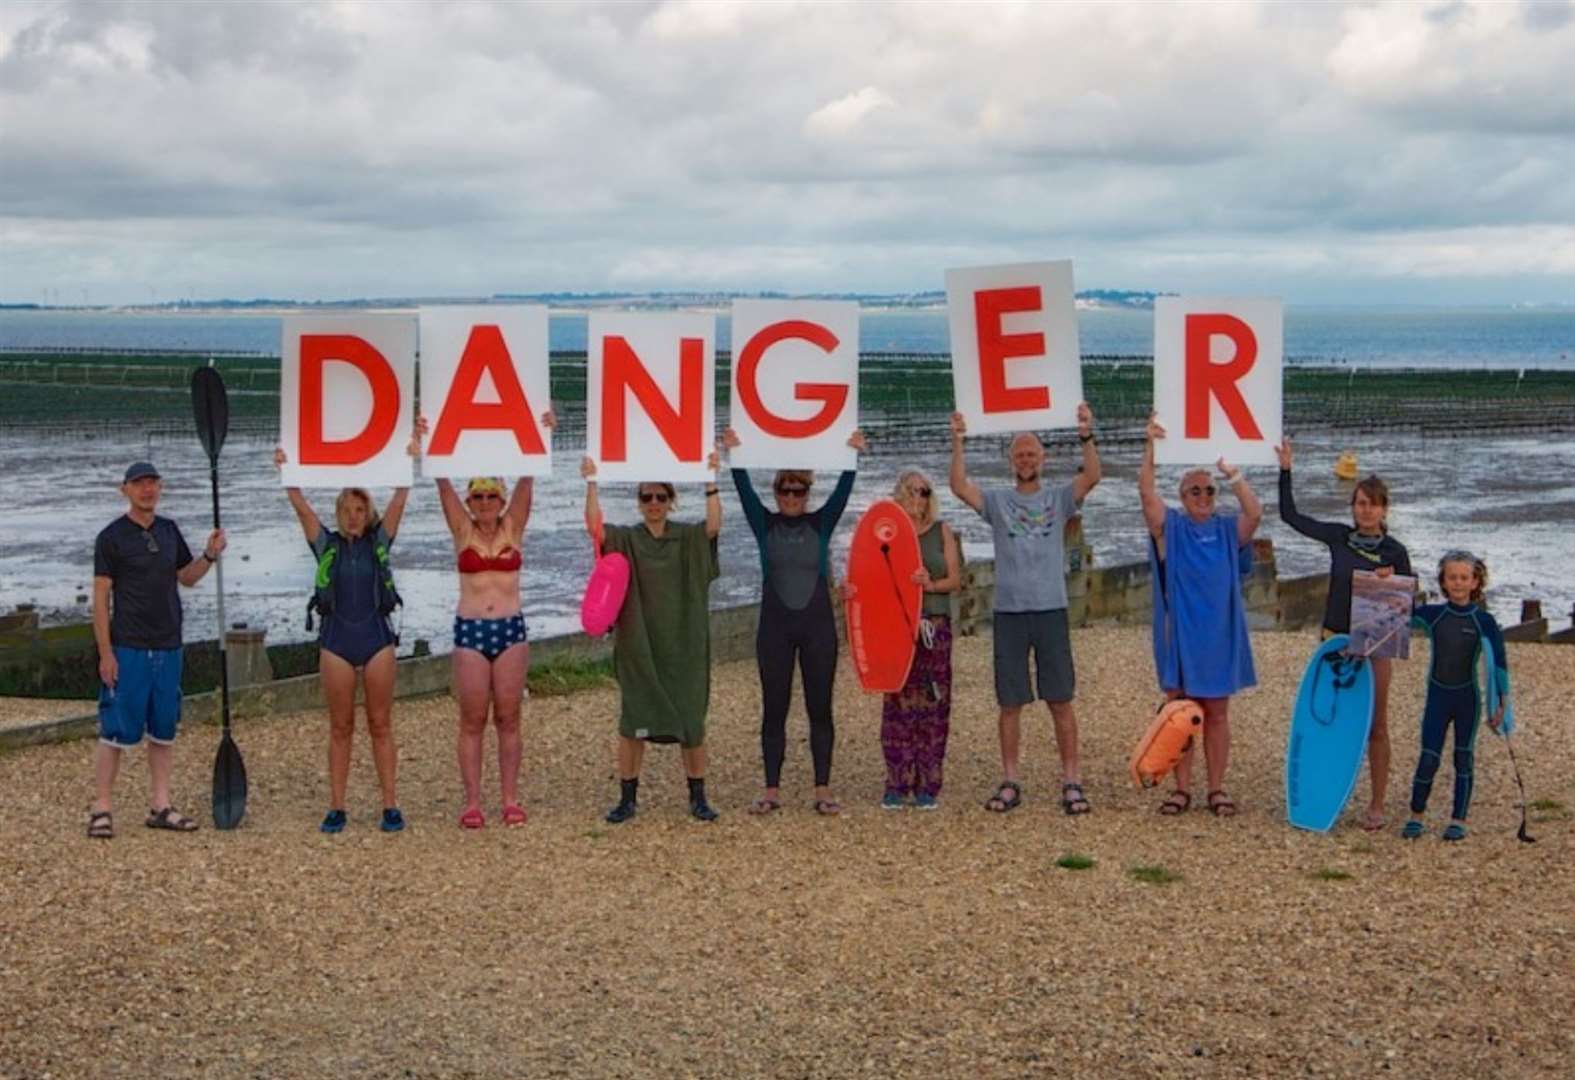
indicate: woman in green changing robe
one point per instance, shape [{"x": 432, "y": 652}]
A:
[{"x": 662, "y": 640}]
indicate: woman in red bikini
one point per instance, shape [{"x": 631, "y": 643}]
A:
[{"x": 491, "y": 653}]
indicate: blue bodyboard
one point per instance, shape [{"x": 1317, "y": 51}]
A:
[
  {"x": 1334, "y": 714},
  {"x": 1489, "y": 665}
]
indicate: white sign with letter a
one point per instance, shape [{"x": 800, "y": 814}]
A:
[
  {"x": 795, "y": 385},
  {"x": 1218, "y": 366},
  {"x": 1015, "y": 362},
  {"x": 650, "y": 395},
  {"x": 484, "y": 387},
  {"x": 346, "y": 397}
]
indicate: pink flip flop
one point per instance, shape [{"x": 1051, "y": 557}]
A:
[
  {"x": 472, "y": 819},
  {"x": 513, "y": 814}
]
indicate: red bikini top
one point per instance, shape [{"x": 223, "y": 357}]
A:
[{"x": 472, "y": 561}]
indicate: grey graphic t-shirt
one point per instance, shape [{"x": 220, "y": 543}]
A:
[{"x": 1030, "y": 546}]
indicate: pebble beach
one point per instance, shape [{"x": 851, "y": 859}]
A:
[{"x": 877, "y": 943}]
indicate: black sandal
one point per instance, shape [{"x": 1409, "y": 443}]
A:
[
  {"x": 1171, "y": 808},
  {"x": 171, "y": 819},
  {"x": 1221, "y": 804},
  {"x": 101, "y": 826},
  {"x": 1001, "y": 802},
  {"x": 1074, "y": 804}
]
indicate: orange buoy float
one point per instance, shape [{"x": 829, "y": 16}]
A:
[
  {"x": 1345, "y": 467},
  {"x": 1167, "y": 738}
]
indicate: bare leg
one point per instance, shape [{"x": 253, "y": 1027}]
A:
[
  {"x": 1066, "y": 740},
  {"x": 508, "y": 692},
  {"x": 378, "y": 679},
  {"x": 339, "y": 691},
  {"x": 473, "y": 688},
  {"x": 1378, "y": 743},
  {"x": 1010, "y": 726},
  {"x": 106, "y": 766},
  {"x": 694, "y": 762},
  {"x": 631, "y": 753},
  {"x": 160, "y": 758},
  {"x": 1216, "y": 740}
]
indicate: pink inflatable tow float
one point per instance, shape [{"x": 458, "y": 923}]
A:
[{"x": 604, "y": 591}]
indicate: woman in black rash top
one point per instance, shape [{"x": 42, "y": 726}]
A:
[
  {"x": 796, "y": 618},
  {"x": 1368, "y": 546}
]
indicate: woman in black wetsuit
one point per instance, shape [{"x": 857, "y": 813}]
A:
[
  {"x": 1367, "y": 546},
  {"x": 796, "y": 618}
]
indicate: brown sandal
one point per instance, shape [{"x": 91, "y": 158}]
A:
[
  {"x": 1176, "y": 803},
  {"x": 1221, "y": 804}
]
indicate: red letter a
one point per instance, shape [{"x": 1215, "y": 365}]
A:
[
  {"x": 320, "y": 349},
  {"x": 1206, "y": 378},
  {"x": 486, "y": 351}
]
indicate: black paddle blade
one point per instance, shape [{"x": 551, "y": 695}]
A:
[
  {"x": 1523, "y": 836},
  {"x": 212, "y": 408},
  {"x": 229, "y": 785}
]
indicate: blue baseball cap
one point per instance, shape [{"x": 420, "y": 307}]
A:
[{"x": 139, "y": 470}]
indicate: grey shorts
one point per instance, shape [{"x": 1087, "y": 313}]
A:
[{"x": 1044, "y": 632}]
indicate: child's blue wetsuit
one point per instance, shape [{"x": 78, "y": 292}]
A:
[{"x": 1452, "y": 694}]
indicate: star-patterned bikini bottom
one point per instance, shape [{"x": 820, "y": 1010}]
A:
[{"x": 489, "y": 637}]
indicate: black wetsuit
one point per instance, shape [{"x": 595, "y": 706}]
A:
[
  {"x": 1348, "y": 552},
  {"x": 1457, "y": 634},
  {"x": 796, "y": 622}
]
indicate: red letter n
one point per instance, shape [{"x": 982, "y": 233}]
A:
[{"x": 683, "y": 430}]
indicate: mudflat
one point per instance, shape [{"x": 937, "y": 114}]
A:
[{"x": 880, "y": 943}]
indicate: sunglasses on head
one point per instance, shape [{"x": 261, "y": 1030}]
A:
[
  {"x": 1204, "y": 489},
  {"x": 793, "y": 491},
  {"x": 153, "y": 545},
  {"x": 653, "y": 496}
]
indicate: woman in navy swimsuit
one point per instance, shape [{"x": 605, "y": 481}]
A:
[
  {"x": 353, "y": 583},
  {"x": 491, "y": 653}
]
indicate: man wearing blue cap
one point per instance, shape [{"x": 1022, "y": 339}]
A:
[{"x": 137, "y": 561}]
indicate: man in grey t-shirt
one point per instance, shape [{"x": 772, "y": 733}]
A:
[{"x": 1029, "y": 520}]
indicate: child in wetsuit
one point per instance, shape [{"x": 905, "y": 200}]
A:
[{"x": 1457, "y": 629}]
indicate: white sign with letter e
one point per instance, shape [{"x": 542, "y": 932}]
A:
[{"x": 1015, "y": 362}]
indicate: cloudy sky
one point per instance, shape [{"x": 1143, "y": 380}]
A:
[{"x": 1402, "y": 152}]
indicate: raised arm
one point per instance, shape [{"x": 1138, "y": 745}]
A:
[
  {"x": 517, "y": 513},
  {"x": 394, "y": 513},
  {"x": 304, "y": 513},
  {"x": 593, "y": 506},
  {"x": 962, "y": 487},
  {"x": 1251, "y": 508},
  {"x": 1093, "y": 471},
  {"x": 1326, "y": 532},
  {"x": 453, "y": 509},
  {"x": 713, "y": 497},
  {"x": 1153, "y": 505}
]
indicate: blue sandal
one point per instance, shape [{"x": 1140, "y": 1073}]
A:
[
  {"x": 1412, "y": 830},
  {"x": 1455, "y": 831}
]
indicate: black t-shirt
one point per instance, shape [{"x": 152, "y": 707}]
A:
[{"x": 142, "y": 564}]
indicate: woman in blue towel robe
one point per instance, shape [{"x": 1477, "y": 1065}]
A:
[{"x": 1201, "y": 647}]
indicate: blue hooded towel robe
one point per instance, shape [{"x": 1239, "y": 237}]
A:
[{"x": 1200, "y": 619}]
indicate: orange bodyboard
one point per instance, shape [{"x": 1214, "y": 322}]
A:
[
  {"x": 1167, "y": 738},
  {"x": 881, "y": 597}
]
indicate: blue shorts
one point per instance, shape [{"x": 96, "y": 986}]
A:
[
  {"x": 145, "y": 700},
  {"x": 489, "y": 637}
]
